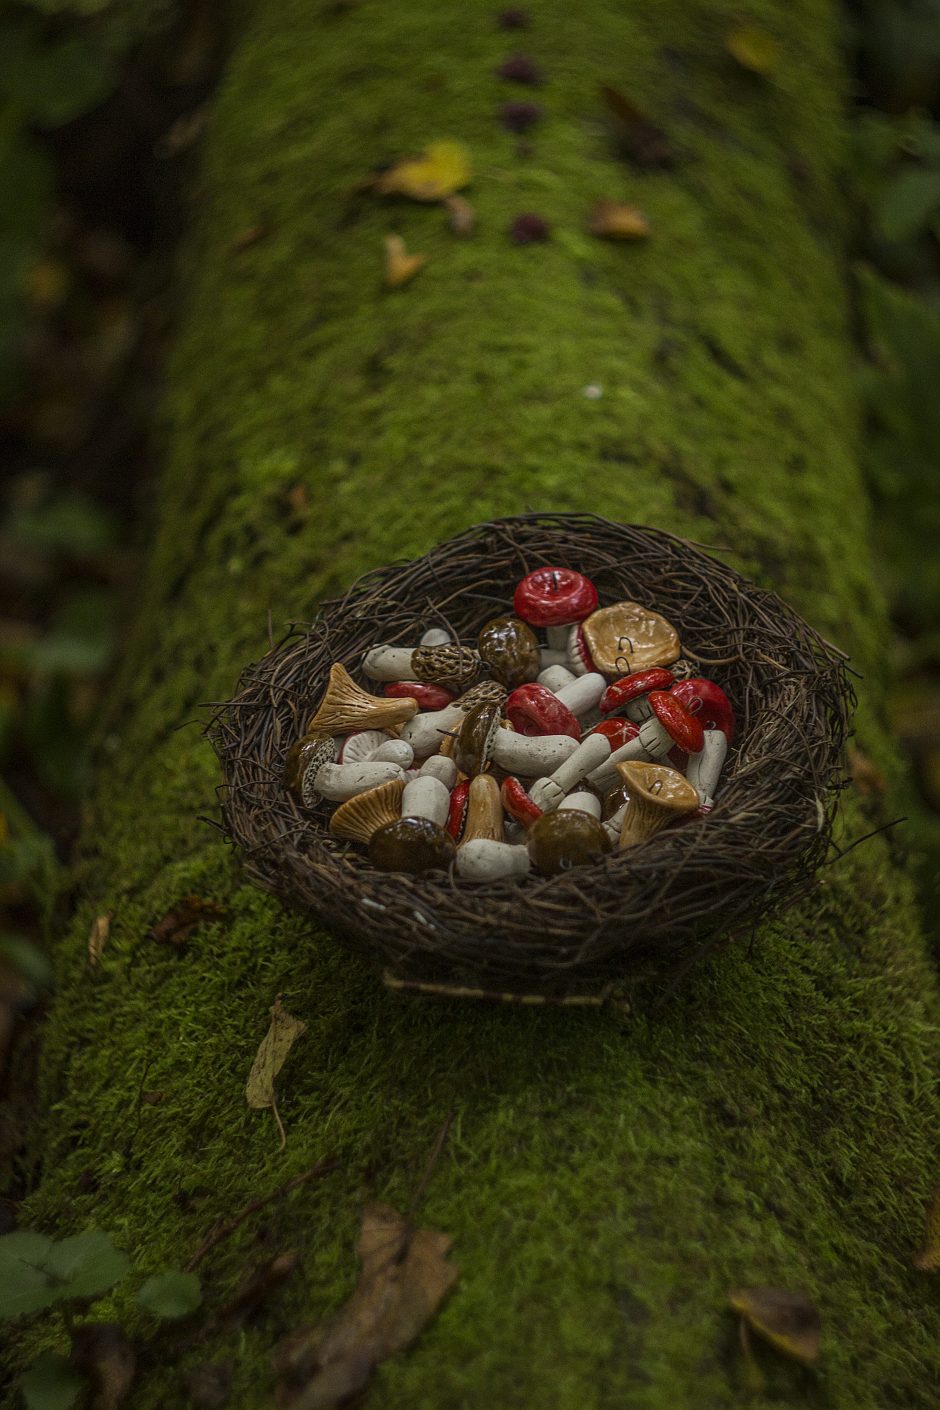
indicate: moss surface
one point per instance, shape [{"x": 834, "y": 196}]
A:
[{"x": 607, "y": 1179}]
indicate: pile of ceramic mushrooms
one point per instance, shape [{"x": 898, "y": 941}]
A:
[{"x": 518, "y": 755}]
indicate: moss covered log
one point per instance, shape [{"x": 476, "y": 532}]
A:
[{"x": 607, "y": 1179}]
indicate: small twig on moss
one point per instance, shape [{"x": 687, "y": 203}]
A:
[
  {"x": 431, "y": 1163},
  {"x": 222, "y": 1231}
]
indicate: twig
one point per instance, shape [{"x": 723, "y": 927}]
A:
[
  {"x": 222, "y": 1231},
  {"x": 431, "y": 1163}
]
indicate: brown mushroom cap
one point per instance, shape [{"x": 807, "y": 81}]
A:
[
  {"x": 304, "y": 760},
  {"x": 411, "y": 845},
  {"x": 477, "y": 736},
  {"x": 345, "y": 707},
  {"x": 453, "y": 666},
  {"x": 510, "y": 650},
  {"x": 484, "y": 810},
  {"x": 627, "y": 637},
  {"x": 565, "y": 839},
  {"x": 656, "y": 795},
  {"x": 359, "y": 817}
]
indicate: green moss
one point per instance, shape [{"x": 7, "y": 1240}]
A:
[{"x": 607, "y": 1179}]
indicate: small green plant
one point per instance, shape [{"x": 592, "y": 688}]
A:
[{"x": 39, "y": 1274}]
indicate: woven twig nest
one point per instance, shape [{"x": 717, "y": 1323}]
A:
[{"x": 649, "y": 909}]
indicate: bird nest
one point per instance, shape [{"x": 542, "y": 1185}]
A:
[{"x": 586, "y": 932}]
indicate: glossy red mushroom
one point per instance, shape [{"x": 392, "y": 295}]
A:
[
  {"x": 429, "y": 697},
  {"x": 707, "y": 702},
  {"x": 617, "y": 730},
  {"x": 670, "y": 724},
  {"x": 630, "y": 692},
  {"x": 518, "y": 804},
  {"x": 457, "y": 812},
  {"x": 533, "y": 710},
  {"x": 554, "y": 598}
]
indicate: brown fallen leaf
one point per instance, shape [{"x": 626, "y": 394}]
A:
[
  {"x": 636, "y": 136},
  {"x": 927, "y": 1259},
  {"x": 866, "y": 775},
  {"x": 102, "y": 1351},
  {"x": 98, "y": 937},
  {"x": 461, "y": 217},
  {"x": 789, "y": 1321},
  {"x": 405, "y": 1278},
  {"x": 269, "y": 1059},
  {"x": 250, "y": 236},
  {"x": 613, "y": 220},
  {"x": 754, "y": 49},
  {"x": 181, "y": 920},
  {"x": 440, "y": 170},
  {"x": 400, "y": 266},
  {"x": 209, "y": 1383}
]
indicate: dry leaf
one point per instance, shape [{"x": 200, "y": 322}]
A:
[
  {"x": 461, "y": 217},
  {"x": 270, "y": 1058},
  {"x": 441, "y": 169},
  {"x": 400, "y": 266},
  {"x": 638, "y": 139},
  {"x": 754, "y": 49},
  {"x": 209, "y": 1383},
  {"x": 789, "y": 1321},
  {"x": 102, "y": 1351},
  {"x": 405, "y": 1278},
  {"x": 179, "y": 923},
  {"x": 98, "y": 937},
  {"x": 928, "y": 1258},
  {"x": 613, "y": 220},
  {"x": 867, "y": 777}
]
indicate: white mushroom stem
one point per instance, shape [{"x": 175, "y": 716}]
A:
[
  {"x": 614, "y": 824},
  {"x": 653, "y": 742},
  {"x": 583, "y": 693},
  {"x": 705, "y": 767},
  {"x": 388, "y": 663},
  {"x": 583, "y": 802},
  {"x": 567, "y": 655},
  {"x": 439, "y": 766},
  {"x": 557, "y": 637},
  {"x": 393, "y": 751},
  {"x": 426, "y": 797},
  {"x": 486, "y": 860},
  {"x": 425, "y": 733},
  {"x": 549, "y": 658},
  {"x": 554, "y": 677},
  {"x": 341, "y": 781},
  {"x": 590, "y": 754},
  {"x": 531, "y": 756},
  {"x": 436, "y": 636}
]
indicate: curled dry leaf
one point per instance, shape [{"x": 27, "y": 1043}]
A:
[
  {"x": 789, "y": 1321},
  {"x": 405, "y": 1278},
  {"x": 613, "y": 220},
  {"x": 927, "y": 1259},
  {"x": 440, "y": 170},
  {"x": 181, "y": 920},
  {"x": 98, "y": 937},
  {"x": 461, "y": 217},
  {"x": 636, "y": 136},
  {"x": 754, "y": 49},
  {"x": 400, "y": 266},
  {"x": 269, "y": 1059}
]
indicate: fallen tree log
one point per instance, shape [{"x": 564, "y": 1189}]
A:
[{"x": 607, "y": 1179}]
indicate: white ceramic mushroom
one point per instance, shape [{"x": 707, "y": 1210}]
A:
[
  {"x": 705, "y": 767},
  {"x": 583, "y": 802},
  {"x": 341, "y": 781},
  {"x": 426, "y": 731},
  {"x": 582, "y": 694},
  {"x": 554, "y": 677},
  {"x": 436, "y": 636},
  {"x": 486, "y": 860},
  {"x": 438, "y": 766},
  {"x": 589, "y": 755},
  {"x": 426, "y": 797},
  {"x": 532, "y": 756}
]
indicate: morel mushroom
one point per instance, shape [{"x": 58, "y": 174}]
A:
[{"x": 451, "y": 666}]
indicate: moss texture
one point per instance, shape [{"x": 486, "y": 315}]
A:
[{"x": 607, "y": 1179}]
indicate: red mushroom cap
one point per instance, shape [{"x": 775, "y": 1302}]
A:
[
  {"x": 631, "y": 687},
  {"x": 532, "y": 709},
  {"x": 517, "y": 802},
  {"x": 429, "y": 697},
  {"x": 682, "y": 727},
  {"x": 617, "y": 730},
  {"x": 707, "y": 702},
  {"x": 554, "y": 597},
  {"x": 457, "y": 812}
]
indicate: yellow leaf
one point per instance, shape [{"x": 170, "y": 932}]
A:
[
  {"x": 441, "y": 169},
  {"x": 400, "y": 266},
  {"x": 98, "y": 937},
  {"x": 789, "y": 1321},
  {"x": 754, "y": 49},
  {"x": 270, "y": 1058},
  {"x": 613, "y": 220},
  {"x": 928, "y": 1259}
]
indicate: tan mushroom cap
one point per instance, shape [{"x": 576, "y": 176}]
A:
[
  {"x": 627, "y": 637},
  {"x": 484, "y": 811},
  {"x": 359, "y": 817},
  {"x": 656, "y": 795},
  {"x": 345, "y": 707}
]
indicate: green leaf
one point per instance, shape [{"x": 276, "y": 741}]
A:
[
  {"x": 68, "y": 522},
  {"x": 24, "y": 1284},
  {"x": 907, "y": 203},
  {"x": 51, "y": 1383},
  {"x": 50, "y": 81},
  {"x": 87, "y": 1264},
  {"x": 27, "y": 959},
  {"x": 170, "y": 1294}
]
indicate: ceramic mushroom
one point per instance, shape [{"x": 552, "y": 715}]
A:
[
  {"x": 629, "y": 694},
  {"x": 582, "y": 694},
  {"x": 705, "y": 768},
  {"x": 532, "y": 710},
  {"x": 590, "y": 754},
  {"x": 708, "y": 702},
  {"x": 411, "y": 845},
  {"x": 457, "y": 811},
  {"x": 562, "y": 840},
  {"x": 304, "y": 760},
  {"x": 656, "y": 795},
  {"x": 364, "y": 813},
  {"x": 582, "y": 801},
  {"x": 509, "y": 650},
  {"x": 483, "y": 859},
  {"x": 484, "y": 811},
  {"x": 426, "y": 797},
  {"x": 517, "y": 803},
  {"x": 556, "y": 599},
  {"x": 451, "y": 666},
  {"x": 346, "y": 707},
  {"x": 624, "y": 638},
  {"x": 669, "y": 725},
  {"x": 337, "y": 782},
  {"x": 429, "y": 697},
  {"x": 531, "y": 757},
  {"x": 473, "y": 748}
]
